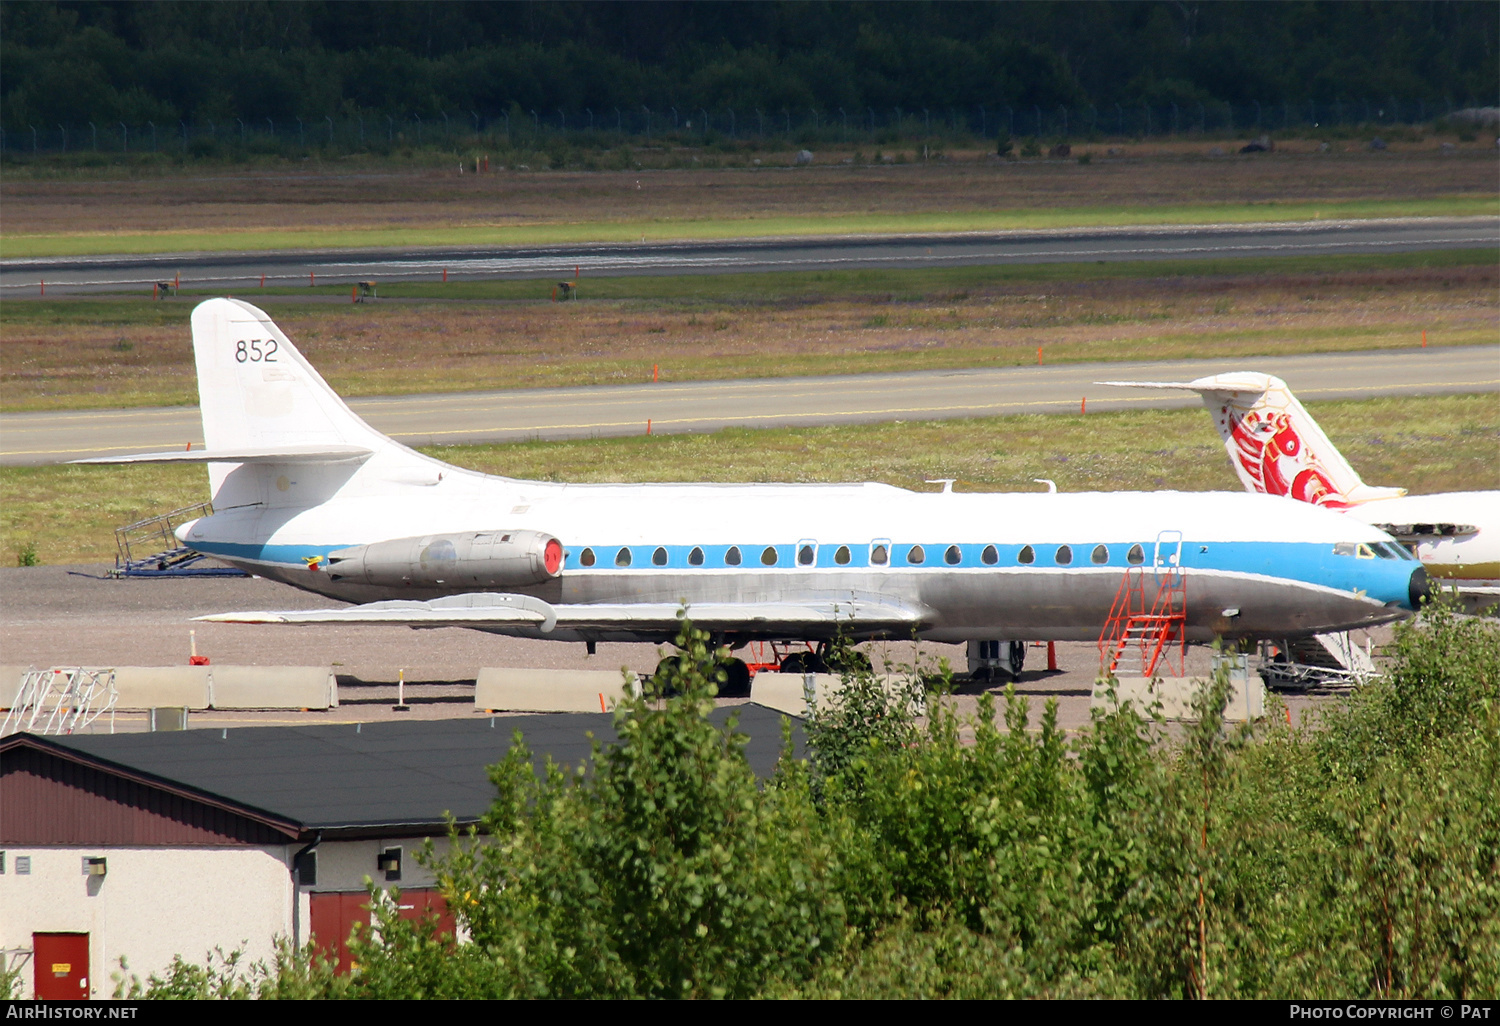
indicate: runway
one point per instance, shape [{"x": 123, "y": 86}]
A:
[
  {"x": 561, "y": 413},
  {"x": 76, "y": 275}
]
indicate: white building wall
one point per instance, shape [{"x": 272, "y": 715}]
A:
[
  {"x": 350, "y": 865},
  {"x": 152, "y": 904}
]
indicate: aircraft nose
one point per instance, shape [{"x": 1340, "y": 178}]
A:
[{"x": 1420, "y": 588}]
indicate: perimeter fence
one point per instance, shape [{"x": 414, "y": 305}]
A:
[{"x": 727, "y": 127}]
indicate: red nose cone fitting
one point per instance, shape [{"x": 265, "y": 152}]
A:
[{"x": 552, "y": 557}]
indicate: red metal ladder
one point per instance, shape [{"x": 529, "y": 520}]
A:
[{"x": 1138, "y": 638}]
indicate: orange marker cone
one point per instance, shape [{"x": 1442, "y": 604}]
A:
[
  {"x": 1038, "y": 356},
  {"x": 1083, "y": 405},
  {"x": 648, "y": 425}
]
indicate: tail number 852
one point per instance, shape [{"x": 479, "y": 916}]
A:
[{"x": 255, "y": 351}]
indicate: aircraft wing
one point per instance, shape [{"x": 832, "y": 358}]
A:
[{"x": 483, "y": 610}]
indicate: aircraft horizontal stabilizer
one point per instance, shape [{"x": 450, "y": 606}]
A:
[
  {"x": 480, "y": 610},
  {"x": 1150, "y": 384},
  {"x": 279, "y": 454}
]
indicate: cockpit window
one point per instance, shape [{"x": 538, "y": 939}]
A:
[{"x": 1385, "y": 551}]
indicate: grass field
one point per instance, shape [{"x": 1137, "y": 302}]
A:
[
  {"x": 67, "y": 514},
  {"x": 334, "y": 206},
  {"x": 94, "y": 353}
]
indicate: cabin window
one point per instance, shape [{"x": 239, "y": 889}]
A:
[
  {"x": 1101, "y": 554},
  {"x": 695, "y": 558},
  {"x": 659, "y": 557},
  {"x": 953, "y": 556},
  {"x": 768, "y": 555},
  {"x": 841, "y": 557},
  {"x": 622, "y": 558},
  {"x": 879, "y": 555},
  {"x": 1026, "y": 555},
  {"x": 1064, "y": 555},
  {"x": 732, "y": 557},
  {"x": 916, "y": 556},
  {"x": 586, "y": 557},
  {"x": 1136, "y": 556},
  {"x": 806, "y": 555},
  {"x": 990, "y": 556}
]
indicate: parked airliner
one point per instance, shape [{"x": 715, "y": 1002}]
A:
[
  {"x": 306, "y": 493},
  {"x": 1278, "y": 449}
]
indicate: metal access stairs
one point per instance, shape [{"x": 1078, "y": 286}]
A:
[
  {"x": 1139, "y": 639},
  {"x": 61, "y": 700},
  {"x": 156, "y": 535}
]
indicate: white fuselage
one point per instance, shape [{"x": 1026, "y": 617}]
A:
[{"x": 1454, "y": 534}]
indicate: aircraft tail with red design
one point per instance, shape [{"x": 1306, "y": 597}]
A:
[{"x": 1275, "y": 445}]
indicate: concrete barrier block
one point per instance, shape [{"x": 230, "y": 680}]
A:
[
  {"x": 10, "y": 683},
  {"x": 150, "y": 687},
  {"x": 787, "y": 692},
  {"x": 521, "y": 690},
  {"x": 1247, "y": 697},
  {"x": 272, "y": 687}
]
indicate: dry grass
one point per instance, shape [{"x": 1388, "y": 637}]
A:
[
  {"x": 1425, "y": 444},
  {"x": 326, "y": 198},
  {"x": 82, "y": 353}
]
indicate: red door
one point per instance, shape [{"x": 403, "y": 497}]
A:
[
  {"x": 334, "y": 915},
  {"x": 61, "y": 962},
  {"x": 420, "y": 903}
]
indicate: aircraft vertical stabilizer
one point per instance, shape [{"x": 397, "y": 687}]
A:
[{"x": 1274, "y": 444}]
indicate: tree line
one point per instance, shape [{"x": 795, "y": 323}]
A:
[{"x": 71, "y": 63}]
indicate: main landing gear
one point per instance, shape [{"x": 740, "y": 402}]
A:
[
  {"x": 989, "y": 659},
  {"x": 736, "y": 683}
]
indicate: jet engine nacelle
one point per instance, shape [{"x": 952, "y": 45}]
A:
[{"x": 470, "y": 559}]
